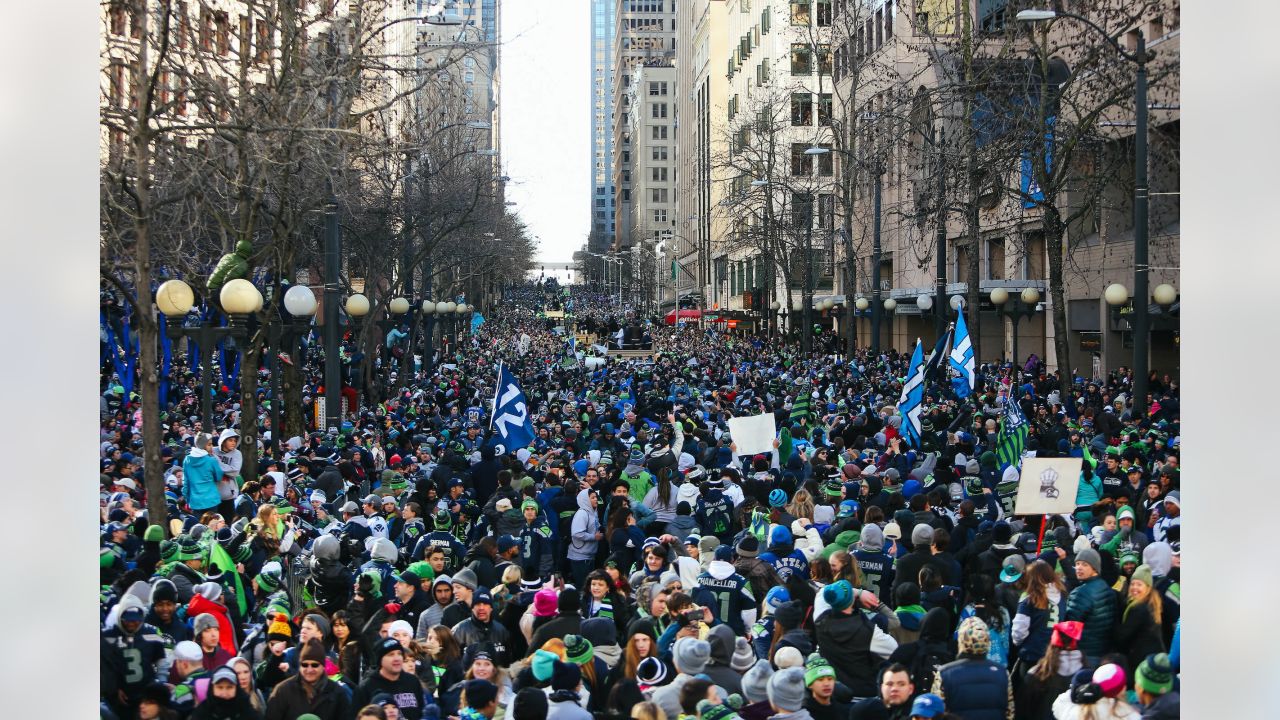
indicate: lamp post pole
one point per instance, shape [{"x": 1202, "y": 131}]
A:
[{"x": 875, "y": 268}]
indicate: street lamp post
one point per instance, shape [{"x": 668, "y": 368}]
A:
[
  {"x": 300, "y": 304},
  {"x": 1024, "y": 307},
  {"x": 1141, "y": 193},
  {"x": 238, "y": 298}
]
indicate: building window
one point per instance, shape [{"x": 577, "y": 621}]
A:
[
  {"x": 117, "y": 18},
  {"x": 658, "y": 195},
  {"x": 223, "y": 24},
  {"x": 206, "y": 29},
  {"x": 115, "y": 87},
  {"x": 658, "y": 111},
  {"x": 801, "y": 59},
  {"x": 657, "y": 89},
  {"x": 801, "y": 209},
  {"x": 826, "y": 211},
  {"x": 824, "y": 13},
  {"x": 801, "y": 164},
  {"x": 659, "y": 216},
  {"x": 800, "y": 13},
  {"x": 826, "y": 162},
  {"x": 658, "y": 174},
  {"x": 824, "y": 109},
  {"x": 824, "y": 59},
  {"x": 995, "y": 258},
  {"x": 802, "y": 108},
  {"x": 659, "y": 152},
  {"x": 658, "y": 132}
]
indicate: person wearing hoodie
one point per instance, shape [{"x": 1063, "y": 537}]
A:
[
  {"x": 1159, "y": 557},
  {"x": 923, "y": 657},
  {"x": 584, "y": 535},
  {"x": 906, "y": 599},
  {"x": 164, "y": 607},
  {"x": 783, "y": 555},
  {"x": 226, "y": 699},
  {"x": 229, "y": 460},
  {"x": 723, "y": 641},
  {"x": 135, "y": 650},
  {"x": 1125, "y": 539},
  {"x": 690, "y": 656},
  {"x": 382, "y": 556},
  {"x": 877, "y": 569},
  {"x": 726, "y": 592},
  {"x": 683, "y": 524},
  {"x": 208, "y": 600},
  {"x": 201, "y": 476},
  {"x": 638, "y": 480},
  {"x": 909, "y": 565},
  {"x": 565, "y": 700}
]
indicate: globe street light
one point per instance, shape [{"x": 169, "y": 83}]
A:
[{"x": 1024, "y": 307}]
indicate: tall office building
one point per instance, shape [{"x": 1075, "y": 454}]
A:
[
  {"x": 602, "y": 29},
  {"x": 645, "y": 36}
]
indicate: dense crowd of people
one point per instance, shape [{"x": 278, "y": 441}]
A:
[{"x": 630, "y": 562}]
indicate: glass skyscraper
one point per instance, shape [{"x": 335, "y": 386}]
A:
[{"x": 603, "y": 19}]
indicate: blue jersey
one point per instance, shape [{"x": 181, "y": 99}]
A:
[
  {"x": 794, "y": 562},
  {"x": 877, "y": 572},
  {"x": 727, "y": 598},
  {"x": 138, "y": 654},
  {"x": 714, "y": 515},
  {"x": 453, "y": 550},
  {"x": 536, "y": 548}
]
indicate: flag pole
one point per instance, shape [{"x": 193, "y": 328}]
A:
[
  {"x": 497, "y": 393},
  {"x": 1040, "y": 540}
]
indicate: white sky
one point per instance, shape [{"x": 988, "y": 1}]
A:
[{"x": 545, "y": 109}]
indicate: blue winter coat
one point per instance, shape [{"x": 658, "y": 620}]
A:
[{"x": 200, "y": 475}]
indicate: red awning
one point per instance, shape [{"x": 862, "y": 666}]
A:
[{"x": 685, "y": 314}]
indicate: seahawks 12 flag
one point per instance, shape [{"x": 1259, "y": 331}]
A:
[{"x": 911, "y": 404}]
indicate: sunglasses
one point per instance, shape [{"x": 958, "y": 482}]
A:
[{"x": 310, "y": 665}]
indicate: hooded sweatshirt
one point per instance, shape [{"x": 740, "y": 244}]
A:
[
  {"x": 583, "y": 529},
  {"x": 201, "y": 473},
  {"x": 230, "y": 460}
]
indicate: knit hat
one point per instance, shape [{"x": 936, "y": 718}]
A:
[
  {"x": 788, "y": 657},
  {"x": 1155, "y": 674},
  {"x": 466, "y": 577},
  {"x": 708, "y": 710},
  {"x": 708, "y": 544},
  {"x": 528, "y": 503},
  {"x": 1143, "y": 573},
  {"x": 313, "y": 651},
  {"x": 163, "y": 589},
  {"x": 543, "y": 664},
  {"x": 1090, "y": 557},
  {"x": 651, "y": 671},
  {"x": 893, "y": 531},
  {"x": 598, "y": 631},
  {"x": 202, "y": 622},
  {"x": 385, "y": 647},
  {"x": 568, "y": 603},
  {"x": 578, "y": 650},
  {"x": 748, "y": 546},
  {"x": 786, "y": 689},
  {"x": 839, "y": 595},
  {"x": 817, "y": 667},
  {"x": 480, "y": 693},
  {"x": 423, "y": 570},
  {"x": 399, "y": 626},
  {"x": 973, "y": 637},
  {"x": 691, "y": 655},
  {"x": 544, "y": 603},
  {"x": 779, "y": 536},
  {"x": 777, "y": 497},
  {"x": 153, "y": 533},
  {"x": 278, "y": 628},
  {"x": 789, "y": 614},
  {"x": 744, "y": 656},
  {"x": 565, "y": 676},
  {"x": 269, "y": 578},
  {"x": 755, "y": 682},
  {"x": 187, "y": 548},
  {"x": 1110, "y": 678},
  {"x": 922, "y": 535}
]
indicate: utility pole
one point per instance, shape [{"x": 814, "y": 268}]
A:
[{"x": 877, "y": 305}]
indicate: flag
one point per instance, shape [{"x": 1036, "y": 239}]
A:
[
  {"x": 961, "y": 359},
  {"x": 1012, "y": 438},
  {"x": 940, "y": 351},
  {"x": 800, "y": 408},
  {"x": 219, "y": 558},
  {"x": 510, "y": 422},
  {"x": 911, "y": 404}
]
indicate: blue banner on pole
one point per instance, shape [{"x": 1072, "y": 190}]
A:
[
  {"x": 1032, "y": 193},
  {"x": 510, "y": 422}
]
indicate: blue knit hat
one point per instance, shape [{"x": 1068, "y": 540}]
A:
[
  {"x": 780, "y": 536},
  {"x": 777, "y": 497},
  {"x": 839, "y": 595}
]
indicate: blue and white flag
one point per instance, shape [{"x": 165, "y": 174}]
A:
[
  {"x": 961, "y": 360},
  {"x": 933, "y": 368},
  {"x": 911, "y": 404},
  {"x": 510, "y": 423}
]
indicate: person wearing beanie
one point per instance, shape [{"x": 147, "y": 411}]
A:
[
  {"x": 652, "y": 673},
  {"x": 481, "y": 699},
  {"x": 530, "y": 704},
  {"x": 690, "y": 656},
  {"x": 878, "y": 574},
  {"x": 972, "y": 686},
  {"x": 201, "y": 474},
  {"x": 388, "y": 676},
  {"x": 744, "y": 656},
  {"x": 908, "y": 567},
  {"x": 787, "y": 657},
  {"x": 820, "y": 679},
  {"x": 310, "y": 690},
  {"x": 784, "y": 556},
  {"x": 1093, "y": 603},
  {"x": 225, "y": 698},
  {"x": 755, "y": 689},
  {"x": 850, "y": 640},
  {"x": 568, "y": 620},
  {"x": 483, "y": 627},
  {"x": 164, "y": 611},
  {"x": 565, "y": 701},
  {"x": 465, "y": 587},
  {"x": 719, "y": 670},
  {"x": 707, "y": 710},
  {"x": 441, "y": 599},
  {"x": 787, "y": 694},
  {"x": 1138, "y": 633},
  {"x": 1153, "y": 682},
  {"x": 217, "y": 630}
]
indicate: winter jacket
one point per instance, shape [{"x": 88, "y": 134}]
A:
[
  {"x": 854, "y": 645},
  {"x": 1110, "y": 708},
  {"x": 1138, "y": 634},
  {"x": 975, "y": 689},
  {"x": 472, "y": 631},
  {"x": 201, "y": 473},
  {"x": 1094, "y": 604},
  {"x": 226, "y": 632},
  {"x": 288, "y": 700}
]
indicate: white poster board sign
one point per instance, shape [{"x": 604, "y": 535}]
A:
[
  {"x": 753, "y": 434},
  {"x": 1048, "y": 486}
]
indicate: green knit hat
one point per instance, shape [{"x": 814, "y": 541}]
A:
[
  {"x": 1155, "y": 674},
  {"x": 153, "y": 533},
  {"x": 168, "y": 551},
  {"x": 242, "y": 553},
  {"x": 816, "y": 668},
  {"x": 578, "y": 650},
  {"x": 375, "y": 581},
  {"x": 188, "y": 548},
  {"x": 269, "y": 579},
  {"x": 423, "y": 570}
]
